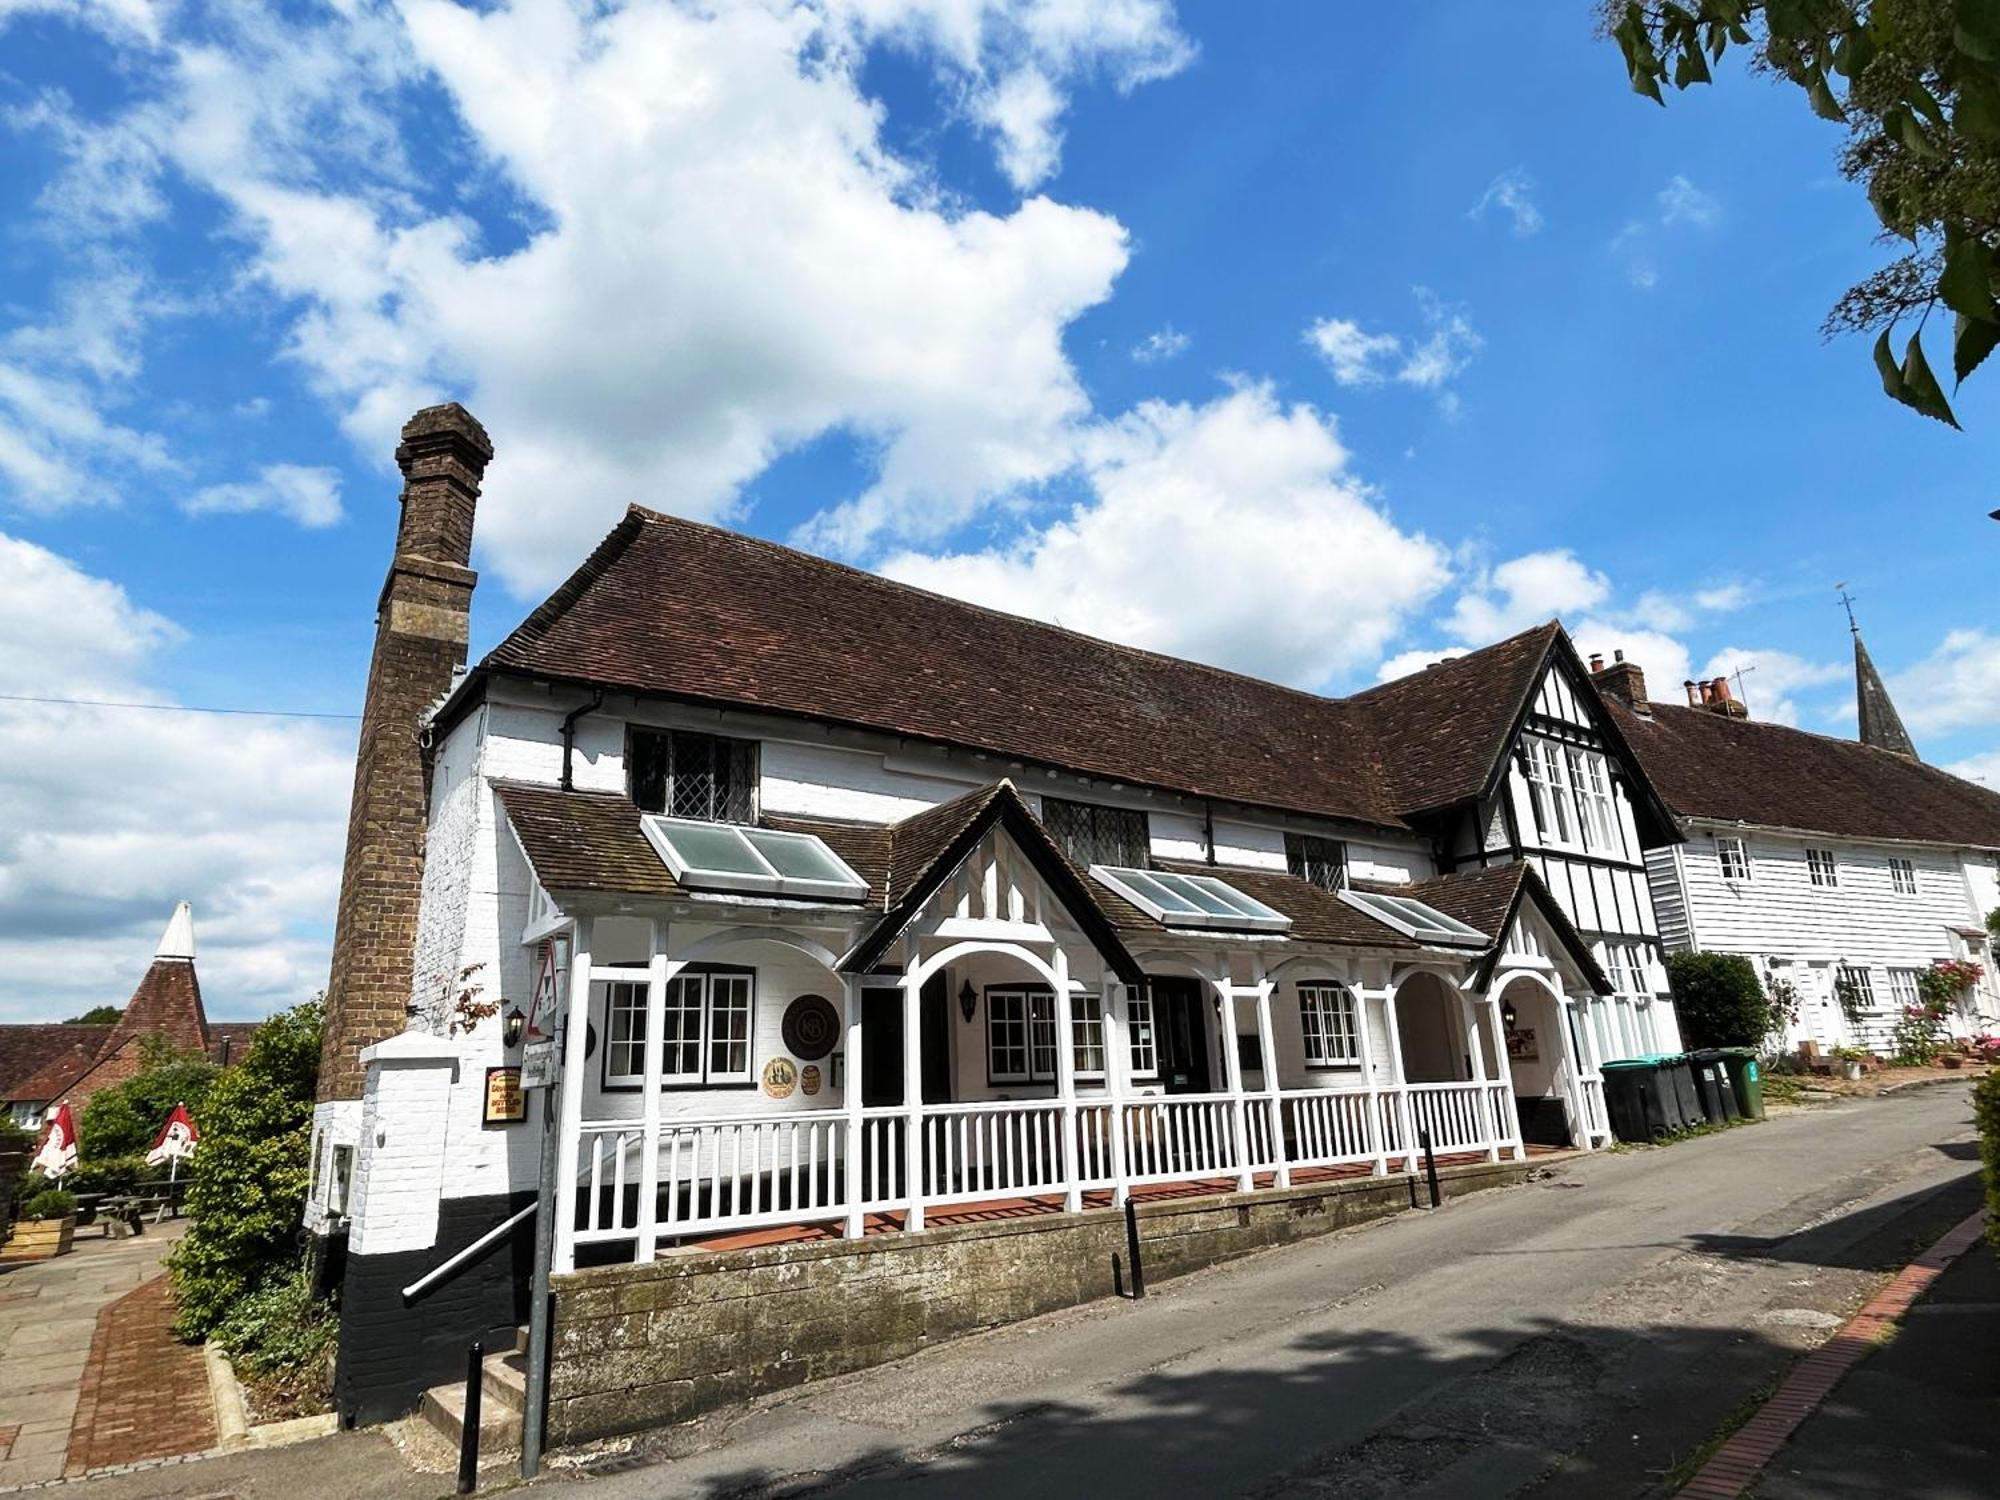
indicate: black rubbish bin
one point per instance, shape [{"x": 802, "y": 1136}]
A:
[
  {"x": 1640, "y": 1100},
  {"x": 1679, "y": 1074},
  {"x": 1711, "y": 1083}
]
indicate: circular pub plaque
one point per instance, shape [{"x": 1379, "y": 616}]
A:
[
  {"x": 780, "y": 1078},
  {"x": 811, "y": 1027}
]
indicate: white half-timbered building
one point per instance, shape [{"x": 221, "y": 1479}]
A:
[
  {"x": 1831, "y": 864},
  {"x": 844, "y": 903}
]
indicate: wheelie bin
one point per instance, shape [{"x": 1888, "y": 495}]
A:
[
  {"x": 1746, "y": 1080},
  {"x": 1640, "y": 1099}
]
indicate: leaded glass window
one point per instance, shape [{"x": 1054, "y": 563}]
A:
[
  {"x": 1093, "y": 835},
  {"x": 1313, "y": 857},
  {"x": 683, "y": 774}
]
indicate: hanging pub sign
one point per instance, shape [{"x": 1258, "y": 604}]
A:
[{"x": 505, "y": 1103}]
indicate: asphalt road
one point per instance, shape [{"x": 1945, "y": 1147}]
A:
[{"x": 1581, "y": 1334}]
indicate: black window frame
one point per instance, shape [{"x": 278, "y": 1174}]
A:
[
  {"x": 1091, "y": 833},
  {"x": 662, "y": 763}
]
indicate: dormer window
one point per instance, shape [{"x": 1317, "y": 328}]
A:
[
  {"x": 1321, "y": 860},
  {"x": 1093, "y": 835},
  {"x": 706, "y": 777}
]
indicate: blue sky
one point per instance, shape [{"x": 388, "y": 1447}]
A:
[{"x": 1313, "y": 339}]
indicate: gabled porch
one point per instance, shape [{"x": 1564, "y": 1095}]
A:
[{"x": 822, "y": 1071}]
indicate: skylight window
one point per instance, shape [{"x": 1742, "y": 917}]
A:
[
  {"x": 1414, "y": 919},
  {"x": 758, "y": 861},
  {"x": 1190, "y": 900}
]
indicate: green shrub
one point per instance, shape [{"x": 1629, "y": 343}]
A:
[
  {"x": 125, "y": 1119},
  {"x": 247, "y": 1192},
  {"x": 46, "y": 1203},
  {"x": 1986, "y": 1106},
  {"x": 281, "y": 1339},
  {"x": 1719, "y": 1000}
]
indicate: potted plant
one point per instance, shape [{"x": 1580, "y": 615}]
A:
[
  {"x": 1851, "y": 1061},
  {"x": 44, "y": 1227}
]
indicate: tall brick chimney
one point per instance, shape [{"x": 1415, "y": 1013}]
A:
[
  {"x": 421, "y": 628},
  {"x": 1622, "y": 680}
]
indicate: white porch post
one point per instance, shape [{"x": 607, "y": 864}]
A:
[
  {"x": 1117, "y": 1076},
  {"x": 1232, "y": 1064},
  {"x": 1512, "y": 1123},
  {"x": 1476, "y": 1051},
  {"x": 1405, "y": 1117},
  {"x": 649, "y": 1107},
  {"x": 1066, "y": 1080},
  {"x": 1267, "y": 1049},
  {"x": 1579, "y": 1096},
  {"x": 850, "y": 1105},
  {"x": 913, "y": 1102},
  {"x": 1364, "y": 1037},
  {"x": 569, "y": 1124}
]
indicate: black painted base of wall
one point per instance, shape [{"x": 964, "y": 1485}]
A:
[{"x": 391, "y": 1351}]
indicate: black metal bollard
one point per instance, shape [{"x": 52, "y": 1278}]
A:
[
  {"x": 1430, "y": 1166},
  {"x": 468, "y": 1438},
  {"x": 1132, "y": 1250}
]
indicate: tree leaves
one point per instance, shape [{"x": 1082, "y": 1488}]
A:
[
  {"x": 1977, "y": 33},
  {"x": 1912, "y": 382}
]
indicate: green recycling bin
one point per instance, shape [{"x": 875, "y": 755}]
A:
[{"x": 1746, "y": 1079}]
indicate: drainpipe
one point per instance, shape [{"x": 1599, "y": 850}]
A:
[
  {"x": 569, "y": 735},
  {"x": 1208, "y": 829}
]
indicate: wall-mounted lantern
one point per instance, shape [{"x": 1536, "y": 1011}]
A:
[
  {"x": 968, "y": 1001},
  {"x": 512, "y": 1025}
]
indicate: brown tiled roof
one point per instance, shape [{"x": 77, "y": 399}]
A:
[
  {"x": 667, "y": 606},
  {"x": 921, "y": 839},
  {"x": 1486, "y": 899},
  {"x": 1442, "y": 731},
  {"x": 50, "y": 1057},
  {"x": 1749, "y": 771}
]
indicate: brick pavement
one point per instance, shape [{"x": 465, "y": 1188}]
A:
[
  {"x": 48, "y": 1319},
  {"x": 144, "y": 1393},
  {"x": 1735, "y": 1466}
]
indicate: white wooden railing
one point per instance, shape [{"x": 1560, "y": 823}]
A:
[
  {"x": 1595, "y": 1121},
  {"x": 741, "y": 1172}
]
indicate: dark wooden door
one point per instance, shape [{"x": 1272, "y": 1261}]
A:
[
  {"x": 882, "y": 1046},
  {"x": 1181, "y": 1014}
]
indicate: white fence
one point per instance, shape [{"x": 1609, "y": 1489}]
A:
[{"x": 755, "y": 1171}]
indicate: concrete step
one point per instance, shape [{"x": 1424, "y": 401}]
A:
[
  {"x": 503, "y": 1395},
  {"x": 506, "y": 1381}
]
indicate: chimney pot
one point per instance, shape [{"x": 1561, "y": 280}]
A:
[
  {"x": 1694, "y": 699},
  {"x": 1596, "y": 662}
]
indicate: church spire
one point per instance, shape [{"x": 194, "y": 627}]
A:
[{"x": 1881, "y": 725}]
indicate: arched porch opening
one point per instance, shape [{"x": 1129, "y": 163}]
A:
[
  {"x": 1436, "y": 1044},
  {"x": 1541, "y": 1061}
]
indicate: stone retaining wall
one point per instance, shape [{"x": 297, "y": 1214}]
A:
[{"x": 641, "y": 1346}]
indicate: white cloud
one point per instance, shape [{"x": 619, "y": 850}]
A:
[
  {"x": 1956, "y": 687},
  {"x": 1514, "y": 193},
  {"x": 1984, "y": 769},
  {"x": 1680, "y": 205},
  {"x": 717, "y": 257},
  {"x": 1681, "y": 202},
  {"x": 1404, "y": 663},
  {"x": 1771, "y": 679},
  {"x": 1299, "y": 576},
  {"x": 108, "y": 817},
  {"x": 1525, "y": 591},
  {"x": 1162, "y": 343},
  {"x": 307, "y": 495},
  {"x": 1358, "y": 358}
]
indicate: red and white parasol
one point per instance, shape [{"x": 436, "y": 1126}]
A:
[
  {"x": 57, "y": 1153},
  {"x": 177, "y": 1139}
]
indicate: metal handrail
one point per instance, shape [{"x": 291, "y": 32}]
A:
[{"x": 470, "y": 1253}]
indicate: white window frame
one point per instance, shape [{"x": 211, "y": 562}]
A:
[
  {"x": 1562, "y": 803},
  {"x": 1730, "y": 849},
  {"x": 1902, "y": 875},
  {"x": 1862, "y": 979},
  {"x": 1903, "y": 991},
  {"x": 625, "y": 1029},
  {"x": 1143, "y": 1039},
  {"x": 1329, "y": 1025},
  {"x": 1087, "y": 1035},
  {"x": 1823, "y": 868},
  {"x": 1591, "y": 796}
]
